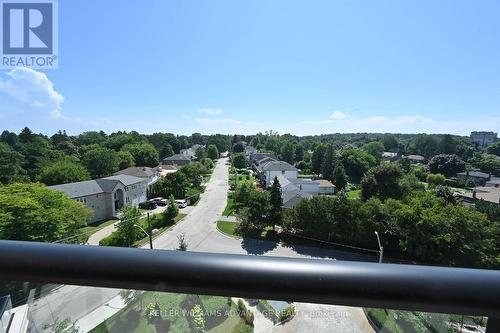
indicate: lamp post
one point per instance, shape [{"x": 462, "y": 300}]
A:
[
  {"x": 381, "y": 248},
  {"x": 147, "y": 234}
]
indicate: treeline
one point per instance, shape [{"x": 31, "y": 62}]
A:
[{"x": 61, "y": 158}]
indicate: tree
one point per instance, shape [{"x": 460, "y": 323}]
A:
[
  {"x": 435, "y": 179},
  {"x": 424, "y": 144},
  {"x": 494, "y": 149},
  {"x": 448, "y": 144},
  {"x": 173, "y": 184},
  {"x": 62, "y": 172},
  {"x": 119, "y": 141},
  {"x": 144, "y": 154},
  {"x": 171, "y": 212},
  {"x": 299, "y": 153},
  {"x": 339, "y": 177},
  {"x": 374, "y": 148},
  {"x": 10, "y": 164},
  {"x": 382, "y": 181},
  {"x": 200, "y": 153},
  {"x": 327, "y": 165},
  {"x": 275, "y": 213},
  {"x": 33, "y": 212},
  {"x": 166, "y": 151},
  {"x": 240, "y": 161},
  {"x": 448, "y": 165},
  {"x": 238, "y": 147},
  {"x": 183, "y": 245},
  {"x": 89, "y": 138},
  {"x": 356, "y": 162},
  {"x": 126, "y": 228},
  {"x": 287, "y": 152},
  {"x": 317, "y": 158},
  {"x": 100, "y": 162},
  {"x": 125, "y": 159},
  {"x": 193, "y": 172},
  {"x": 390, "y": 142},
  {"x": 212, "y": 152},
  {"x": 256, "y": 214}
]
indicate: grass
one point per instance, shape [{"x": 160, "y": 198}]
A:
[
  {"x": 384, "y": 320},
  {"x": 213, "y": 303},
  {"x": 228, "y": 228},
  {"x": 233, "y": 323},
  {"x": 354, "y": 194},
  {"x": 145, "y": 240},
  {"x": 229, "y": 210},
  {"x": 98, "y": 226}
]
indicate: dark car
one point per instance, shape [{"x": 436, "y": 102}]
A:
[
  {"x": 148, "y": 205},
  {"x": 159, "y": 201}
]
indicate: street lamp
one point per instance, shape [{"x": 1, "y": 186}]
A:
[
  {"x": 381, "y": 248},
  {"x": 147, "y": 234}
]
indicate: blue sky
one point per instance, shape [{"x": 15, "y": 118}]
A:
[{"x": 247, "y": 66}]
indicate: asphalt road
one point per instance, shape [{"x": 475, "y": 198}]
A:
[{"x": 199, "y": 228}]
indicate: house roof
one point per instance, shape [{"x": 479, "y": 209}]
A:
[
  {"x": 475, "y": 174},
  {"x": 290, "y": 199},
  {"x": 95, "y": 186},
  {"x": 258, "y": 156},
  {"x": 177, "y": 157},
  {"x": 168, "y": 167},
  {"x": 486, "y": 193},
  {"x": 389, "y": 154},
  {"x": 416, "y": 157},
  {"x": 137, "y": 171},
  {"x": 278, "y": 166},
  {"x": 325, "y": 183}
]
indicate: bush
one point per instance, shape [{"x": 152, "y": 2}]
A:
[
  {"x": 112, "y": 240},
  {"x": 435, "y": 179},
  {"x": 287, "y": 313},
  {"x": 246, "y": 314}
]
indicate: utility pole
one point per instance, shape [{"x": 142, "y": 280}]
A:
[
  {"x": 150, "y": 234},
  {"x": 381, "y": 248}
]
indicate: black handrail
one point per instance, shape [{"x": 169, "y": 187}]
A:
[{"x": 404, "y": 287}]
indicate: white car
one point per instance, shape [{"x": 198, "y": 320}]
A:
[{"x": 181, "y": 203}]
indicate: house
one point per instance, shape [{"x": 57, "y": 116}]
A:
[
  {"x": 325, "y": 187},
  {"x": 177, "y": 160},
  {"x": 483, "y": 138},
  {"x": 106, "y": 196},
  {"x": 486, "y": 193},
  {"x": 257, "y": 158},
  {"x": 191, "y": 152},
  {"x": 267, "y": 171},
  {"x": 249, "y": 151},
  {"x": 493, "y": 182},
  {"x": 478, "y": 177},
  {"x": 416, "y": 158},
  {"x": 164, "y": 170},
  {"x": 152, "y": 175},
  {"x": 292, "y": 198},
  {"x": 389, "y": 156}
]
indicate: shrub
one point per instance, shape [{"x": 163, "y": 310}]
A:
[
  {"x": 435, "y": 179},
  {"x": 287, "y": 313},
  {"x": 246, "y": 314}
]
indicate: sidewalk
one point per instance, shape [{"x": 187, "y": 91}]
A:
[
  {"x": 100, "y": 234},
  {"x": 230, "y": 218},
  {"x": 95, "y": 318},
  {"x": 260, "y": 323}
]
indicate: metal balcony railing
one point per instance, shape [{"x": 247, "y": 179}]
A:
[{"x": 389, "y": 286}]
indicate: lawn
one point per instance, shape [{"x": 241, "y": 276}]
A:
[
  {"x": 228, "y": 228},
  {"x": 229, "y": 210},
  {"x": 354, "y": 194},
  {"x": 174, "y": 315},
  {"x": 90, "y": 229},
  {"x": 144, "y": 223}
]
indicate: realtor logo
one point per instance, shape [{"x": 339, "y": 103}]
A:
[{"x": 29, "y": 33}]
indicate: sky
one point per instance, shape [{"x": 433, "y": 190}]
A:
[{"x": 300, "y": 67}]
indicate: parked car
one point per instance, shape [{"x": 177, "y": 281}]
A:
[
  {"x": 160, "y": 201},
  {"x": 181, "y": 203},
  {"x": 148, "y": 205}
]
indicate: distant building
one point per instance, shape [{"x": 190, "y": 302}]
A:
[
  {"x": 483, "y": 138},
  {"x": 106, "y": 196},
  {"x": 191, "y": 152},
  {"x": 152, "y": 175},
  {"x": 478, "y": 177},
  {"x": 389, "y": 156},
  {"x": 416, "y": 158},
  {"x": 271, "y": 169},
  {"x": 177, "y": 159},
  {"x": 249, "y": 151},
  {"x": 489, "y": 194},
  {"x": 259, "y": 158},
  {"x": 164, "y": 170},
  {"x": 292, "y": 198}
]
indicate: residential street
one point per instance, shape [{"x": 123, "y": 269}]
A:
[{"x": 201, "y": 234}]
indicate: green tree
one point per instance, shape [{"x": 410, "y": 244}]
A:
[
  {"x": 10, "y": 164},
  {"x": 212, "y": 152},
  {"x": 144, "y": 154},
  {"x": 448, "y": 165},
  {"x": 171, "y": 212},
  {"x": 356, "y": 162},
  {"x": 299, "y": 153},
  {"x": 317, "y": 158},
  {"x": 382, "y": 181},
  {"x": 166, "y": 151},
  {"x": 374, "y": 148},
  {"x": 200, "y": 153},
  {"x": 435, "y": 179},
  {"x": 125, "y": 159},
  {"x": 126, "y": 228},
  {"x": 327, "y": 165},
  {"x": 240, "y": 161},
  {"x": 100, "y": 162},
  {"x": 33, "y": 212},
  {"x": 238, "y": 147},
  {"x": 275, "y": 213},
  {"x": 494, "y": 149},
  {"x": 119, "y": 141},
  {"x": 287, "y": 152},
  {"x": 256, "y": 214},
  {"x": 390, "y": 142},
  {"x": 339, "y": 177},
  {"x": 183, "y": 245},
  {"x": 62, "y": 172}
]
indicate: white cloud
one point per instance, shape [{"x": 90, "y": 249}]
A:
[
  {"x": 210, "y": 111},
  {"x": 338, "y": 115},
  {"x": 33, "y": 91}
]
